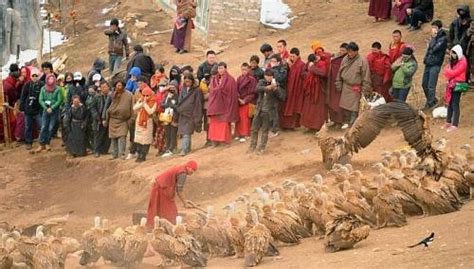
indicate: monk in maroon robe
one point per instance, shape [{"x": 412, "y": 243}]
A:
[
  {"x": 381, "y": 71},
  {"x": 247, "y": 87},
  {"x": 292, "y": 107},
  {"x": 166, "y": 187},
  {"x": 399, "y": 10},
  {"x": 223, "y": 106},
  {"x": 315, "y": 75},
  {"x": 396, "y": 47},
  {"x": 380, "y": 9},
  {"x": 336, "y": 114}
]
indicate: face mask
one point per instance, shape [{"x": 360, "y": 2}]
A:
[
  {"x": 406, "y": 58},
  {"x": 454, "y": 56}
]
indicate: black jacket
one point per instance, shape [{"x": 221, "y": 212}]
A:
[
  {"x": 78, "y": 89},
  {"x": 280, "y": 73},
  {"x": 144, "y": 62},
  {"x": 426, "y": 6},
  {"x": 258, "y": 73},
  {"x": 274, "y": 97},
  {"x": 436, "y": 49},
  {"x": 203, "y": 69},
  {"x": 97, "y": 68},
  {"x": 29, "y": 100},
  {"x": 458, "y": 33}
]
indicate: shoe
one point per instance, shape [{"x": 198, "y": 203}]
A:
[
  {"x": 330, "y": 124},
  {"x": 139, "y": 160},
  {"x": 183, "y": 52},
  {"x": 40, "y": 149},
  {"x": 409, "y": 27},
  {"x": 242, "y": 140},
  {"x": 131, "y": 156},
  {"x": 451, "y": 129},
  {"x": 236, "y": 138},
  {"x": 182, "y": 154},
  {"x": 261, "y": 151},
  {"x": 344, "y": 126},
  {"x": 48, "y": 148},
  {"x": 113, "y": 158},
  {"x": 29, "y": 146},
  {"x": 97, "y": 155},
  {"x": 167, "y": 154},
  {"x": 273, "y": 134},
  {"x": 446, "y": 126}
]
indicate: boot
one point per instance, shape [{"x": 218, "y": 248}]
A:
[
  {"x": 145, "y": 150},
  {"x": 139, "y": 153}
]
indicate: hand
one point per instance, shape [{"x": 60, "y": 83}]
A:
[
  {"x": 409, "y": 11},
  {"x": 104, "y": 123},
  {"x": 241, "y": 101},
  {"x": 49, "y": 110},
  {"x": 21, "y": 78},
  {"x": 198, "y": 129},
  {"x": 310, "y": 64}
]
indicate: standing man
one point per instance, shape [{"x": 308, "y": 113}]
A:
[
  {"x": 223, "y": 106},
  {"x": 336, "y": 113},
  {"x": 142, "y": 61},
  {"x": 206, "y": 67},
  {"x": 352, "y": 81},
  {"x": 380, "y": 9},
  {"x": 282, "y": 51},
  {"x": 459, "y": 33},
  {"x": 102, "y": 101},
  {"x": 97, "y": 68},
  {"x": 183, "y": 26},
  {"x": 292, "y": 108},
  {"x": 280, "y": 74},
  {"x": 165, "y": 188},
  {"x": 395, "y": 48},
  {"x": 29, "y": 104},
  {"x": 433, "y": 61},
  {"x": 267, "y": 51},
  {"x": 380, "y": 70},
  {"x": 421, "y": 11},
  {"x": 118, "y": 45}
]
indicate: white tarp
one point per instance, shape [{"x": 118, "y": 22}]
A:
[{"x": 275, "y": 14}]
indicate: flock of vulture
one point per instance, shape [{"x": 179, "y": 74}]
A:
[{"x": 340, "y": 208}]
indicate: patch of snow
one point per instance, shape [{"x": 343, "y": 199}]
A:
[
  {"x": 275, "y": 14},
  {"x": 106, "y": 10},
  {"x": 121, "y": 23},
  {"x": 29, "y": 54}
]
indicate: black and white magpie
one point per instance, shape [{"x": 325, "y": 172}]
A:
[{"x": 426, "y": 242}]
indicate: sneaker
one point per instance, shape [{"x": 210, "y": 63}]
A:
[
  {"x": 131, "y": 156},
  {"x": 242, "y": 140},
  {"x": 330, "y": 124},
  {"x": 40, "y": 149},
  {"x": 236, "y": 138},
  {"x": 167, "y": 154},
  {"x": 48, "y": 148},
  {"x": 182, "y": 154},
  {"x": 451, "y": 129},
  {"x": 345, "y": 126},
  {"x": 447, "y": 125},
  {"x": 273, "y": 134},
  {"x": 113, "y": 158}
]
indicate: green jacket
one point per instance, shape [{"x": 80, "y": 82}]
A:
[
  {"x": 403, "y": 74},
  {"x": 64, "y": 90},
  {"x": 53, "y": 98}
]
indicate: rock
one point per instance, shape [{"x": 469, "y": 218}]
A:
[
  {"x": 376, "y": 250},
  {"x": 150, "y": 44},
  {"x": 305, "y": 151},
  {"x": 253, "y": 39},
  {"x": 141, "y": 24}
]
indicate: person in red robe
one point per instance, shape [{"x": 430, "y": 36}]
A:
[
  {"x": 315, "y": 75},
  {"x": 399, "y": 11},
  {"x": 396, "y": 47},
  {"x": 165, "y": 188},
  {"x": 380, "y": 9},
  {"x": 336, "y": 114},
  {"x": 247, "y": 87},
  {"x": 381, "y": 71},
  {"x": 292, "y": 108},
  {"x": 223, "y": 106},
  {"x": 282, "y": 51},
  {"x": 11, "y": 93}
]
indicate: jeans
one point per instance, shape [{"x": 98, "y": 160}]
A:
[
  {"x": 114, "y": 63},
  {"x": 400, "y": 94},
  {"x": 48, "y": 121},
  {"x": 275, "y": 119},
  {"x": 416, "y": 17},
  {"x": 186, "y": 144},
  {"x": 118, "y": 146},
  {"x": 171, "y": 133},
  {"x": 350, "y": 117},
  {"x": 29, "y": 121},
  {"x": 454, "y": 109},
  {"x": 261, "y": 121},
  {"x": 430, "y": 80}
]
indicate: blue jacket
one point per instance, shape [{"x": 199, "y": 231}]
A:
[
  {"x": 132, "y": 85},
  {"x": 436, "y": 49}
]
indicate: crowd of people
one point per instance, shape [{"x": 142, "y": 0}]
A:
[{"x": 279, "y": 91}]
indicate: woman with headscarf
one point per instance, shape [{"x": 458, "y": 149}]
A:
[
  {"x": 165, "y": 188},
  {"x": 75, "y": 123},
  {"x": 145, "y": 108},
  {"x": 50, "y": 100},
  {"x": 23, "y": 79},
  {"x": 118, "y": 115},
  {"x": 159, "y": 127}
]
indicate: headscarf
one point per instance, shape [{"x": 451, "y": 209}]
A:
[
  {"x": 28, "y": 73},
  {"x": 142, "y": 114},
  {"x": 191, "y": 165},
  {"x": 316, "y": 45},
  {"x": 50, "y": 86}
]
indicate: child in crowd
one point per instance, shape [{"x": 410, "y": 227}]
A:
[
  {"x": 257, "y": 71},
  {"x": 169, "y": 103},
  {"x": 246, "y": 85},
  {"x": 132, "y": 83}
]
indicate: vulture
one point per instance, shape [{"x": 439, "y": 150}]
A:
[
  {"x": 290, "y": 217},
  {"x": 6, "y": 260},
  {"x": 436, "y": 197},
  {"x": 45, "y": 258},
  {"x": 257, "y": 241},
  {"x": 135, "y": 245},
  {"x": 343, "y": 232},
  {"x": 388, "y": 207},
  {"x": 357, "y": 206},
  {"x": 90, "y": 242},
  {"x": 235, "y": 232},
  {"x": 193, "y": 256},
  {"x": 367, "y": 127},
  {"x": 470, "y": 178},
  {"x": 279, "y": 229}
]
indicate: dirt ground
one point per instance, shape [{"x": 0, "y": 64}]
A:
[{"x": 36, "y": 187}]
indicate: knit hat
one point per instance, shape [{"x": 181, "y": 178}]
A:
[
  {"x": 114, "y": 22},
  {"x": 316, "y": 45},
  {"x": 147, "y": 91},
  {"x": 138, "y": 48},
  {"x": 407, "y": 51},
  {"x": 96, "y": 77},
  {"x": 135, "y": 71},
  {"x": 77, "y": 76},
  {"x": 192, "y": 165}
]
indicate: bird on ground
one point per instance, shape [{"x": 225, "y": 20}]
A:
[
  {"x": 469, "y": 176},
  {"x": 235, "y": 231},
  {"x": 257, "y": 241},
  {"x": 343, "y": 232},
  {"x": 193, "y": 255},
  {"x": 279, "y": 229},
  {"x": 90, "y": 242},
  {"x": 387, "y": 205},
  {"x": 425, "y": 242}
]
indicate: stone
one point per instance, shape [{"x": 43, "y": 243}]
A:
[{"x": 141, "y": 24}]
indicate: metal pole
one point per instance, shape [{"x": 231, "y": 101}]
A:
[{"x": 18, "y": 54}]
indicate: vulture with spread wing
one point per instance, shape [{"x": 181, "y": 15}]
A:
[{"x": 367, "y": 127}]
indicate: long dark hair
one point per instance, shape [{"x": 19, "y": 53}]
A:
[
  {"x": 175, "y": 77},
  {"x": 190, "y": 76}
]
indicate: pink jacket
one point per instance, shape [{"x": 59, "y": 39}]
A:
[{"x": 454, "y": 74}]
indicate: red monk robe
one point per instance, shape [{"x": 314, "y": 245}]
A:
[
  {"x": 336, "y": 114},
  {"x": 381, "y": 73},
  {"x": 395, "y": 51},
  {"x": 293, "y": 105},
  {"x": 314, "y": 105},
  {"x": 247, "y": 87},
  {"x": 223, "y": 107}
]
